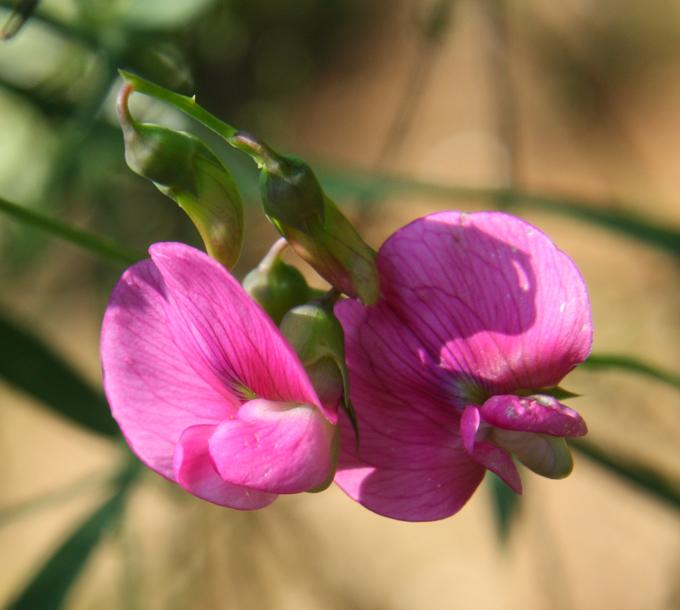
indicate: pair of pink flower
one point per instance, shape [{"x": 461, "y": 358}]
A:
[{"x": 480, "y": 314}]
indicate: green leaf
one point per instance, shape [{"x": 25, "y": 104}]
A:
[
  {"x": 27, "y": 363},
  {"x": 505, "y": 504},
  {"x": 611, "y": 215},
  {"x": 642, "y": 476},
  {"x": 628, "y": 363},
  {"x": 83, "y": 239},
  {"x": 50, "y": 585}
]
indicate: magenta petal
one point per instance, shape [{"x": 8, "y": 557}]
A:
[
  {"x": 543, "y": 414},
  {"x": 275, "y": 447},
  {"x": 427, "y": 484},
  {"x": 488, "y": 295},
  {"x": 469, "y": 424},
  {"x": 410, "y": 463},
  {"x": 153, "y": 392},
  {"x": 395, "y": 385},
  {"x": 227, "y": 338},
  {"x": 195, "y": 472},
  {"x": 499, "y": 462}
]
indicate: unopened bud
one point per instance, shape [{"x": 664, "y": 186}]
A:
[
  {"x": 183, "y": 167},
  {"x": 317, "y": 337},
  {"x": 312, "y": 223},
  {"x": 292, "y": 195},
  {"x": 276, "y": 286}
]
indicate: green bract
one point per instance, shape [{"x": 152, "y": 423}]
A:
[
  {"x": 318, "y": 339},
  {"x": 312, "y": 223}
]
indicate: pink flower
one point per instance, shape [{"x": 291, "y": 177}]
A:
[
  {"x": 204, "y": 387},
  {"x": 479, "y": 313}
]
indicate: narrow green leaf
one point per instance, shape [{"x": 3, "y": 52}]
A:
[
  {"x": 505, "y": 504},
  {"x": 30, "y": 365},
  {"x": 611, "y": 215},
  {"x": 50, "y": 585},
  {"x": 88, "y": 241},
  {"x": 644, "y": 477},
  {"x": 628, "y": 363}
]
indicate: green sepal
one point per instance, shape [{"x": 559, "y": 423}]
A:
[
  {"x": 291, "y": 193},
  {"x": 556, "y": 392},
  {"x": 318, "y": 339},
  {"x": 311, "y": 222},
  {"x": 276, "y": 286}
]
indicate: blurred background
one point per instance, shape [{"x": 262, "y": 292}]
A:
[{"x": 565, "y": 113}]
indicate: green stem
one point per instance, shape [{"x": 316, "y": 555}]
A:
[
  {"x": 83, "y": 239},
  {"x": 184, "y": 103}
]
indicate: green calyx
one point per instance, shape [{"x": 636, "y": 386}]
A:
[
  {"x": 183, "y": 168},
  {"x": 318, "y": 339},
  {"x": 311, "y": 222},
  {"x": 275, "y": 285}
]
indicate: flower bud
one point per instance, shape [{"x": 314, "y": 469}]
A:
[
  {"x": 317, "y": 337},
  {"x": 291, "y": 194},
  {"x": 183, "y": 167},
  {"x": 276, "y": 286},
  {"x": 312, "y": 223}
]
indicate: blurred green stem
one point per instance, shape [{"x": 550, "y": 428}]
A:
[{"x": 83, "y": 239}]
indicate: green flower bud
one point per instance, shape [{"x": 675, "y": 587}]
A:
[
  {"x": 276, "y": 286},
  {"x": 318, "y": 339},
  {"x": 291, "y": 194},
  {"x": 183, "y": 167},
  {"x": 312, "y": 223}
]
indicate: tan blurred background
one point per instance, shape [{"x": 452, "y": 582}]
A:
[{"x": 578, "y": 98}]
